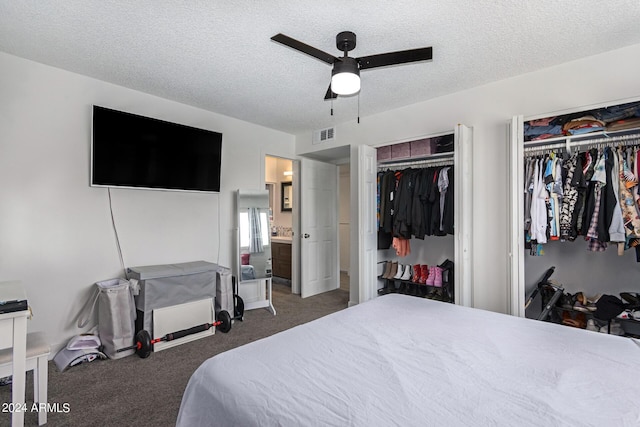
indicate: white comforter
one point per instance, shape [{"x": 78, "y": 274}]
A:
[{"x": 400, "y": 360}]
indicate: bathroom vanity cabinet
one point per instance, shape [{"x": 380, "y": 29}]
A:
[{"x": 281, "y": 257}]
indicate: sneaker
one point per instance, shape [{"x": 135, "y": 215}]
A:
[
  {"x": 580, "y": 303},
  {"x": 625, "y": 315},
  {"x": 591, "y": 326}
]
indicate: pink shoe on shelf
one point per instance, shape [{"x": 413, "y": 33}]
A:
[
  {"x": 431, "y": 277},
  {"x": 437, "y": 281}
]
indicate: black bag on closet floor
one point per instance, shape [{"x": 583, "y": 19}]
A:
[{"x": 608, "y": 307}]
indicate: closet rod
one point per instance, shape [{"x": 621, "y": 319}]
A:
[
  {"x": 432, "y": 160},
  {"x": 418, "y": 164}
]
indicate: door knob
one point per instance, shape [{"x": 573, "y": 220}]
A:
[{"x": 306, "y": 235}]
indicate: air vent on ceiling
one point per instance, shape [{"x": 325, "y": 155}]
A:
[{"x": 324, "y": 135}]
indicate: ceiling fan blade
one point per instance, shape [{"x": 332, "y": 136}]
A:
[
  {"x": 304, "y": 48},
  {"x": 394, "y": 58},
  {"x": 330, "y": 94}
]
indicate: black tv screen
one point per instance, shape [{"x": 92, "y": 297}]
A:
[{"x": 133, "y": 151}]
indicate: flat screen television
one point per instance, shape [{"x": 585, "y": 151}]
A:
[{"x": 134, "y": 151}]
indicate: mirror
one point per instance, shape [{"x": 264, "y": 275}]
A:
[
  {"x": 287, "y": 196},
  {"x": 254, "y": 242}
]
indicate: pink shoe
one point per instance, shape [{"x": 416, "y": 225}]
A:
[
  {"x": 432, "y": 276},
  {"x": 437, "y": 282}
]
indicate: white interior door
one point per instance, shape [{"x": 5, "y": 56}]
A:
[
  {"x": 463, "y": 211},
  {"x": 367, "y": 223},
  {"x": 516, "y": 218},
  {"x": 318, "y": 227}
]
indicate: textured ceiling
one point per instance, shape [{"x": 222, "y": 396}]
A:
[{"x": 218, "y": 55}]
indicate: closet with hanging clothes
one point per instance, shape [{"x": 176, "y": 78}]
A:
[
  {"x": 423, "y": 244},
  {"x": 575, "y": 206}
]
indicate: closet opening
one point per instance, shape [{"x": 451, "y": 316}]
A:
[
  {"x": 416, "y": 215},
  {"x": 577, "y": 215}
]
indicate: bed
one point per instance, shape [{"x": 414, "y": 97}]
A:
[{"x": 402, "y": 360}]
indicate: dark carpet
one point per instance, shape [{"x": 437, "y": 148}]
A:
[{"x": 148, "y": 392}]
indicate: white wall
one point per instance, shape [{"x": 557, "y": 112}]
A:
[
  {"x": 55, "y": 230},
  {"x": 598, "y": 79}
]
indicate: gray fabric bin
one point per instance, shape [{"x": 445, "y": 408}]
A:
[{"x": 171, "y": 284}]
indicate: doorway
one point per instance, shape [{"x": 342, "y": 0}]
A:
[
  {"x": 289, "y": 221},
  {"x": 279, "y": 178}
]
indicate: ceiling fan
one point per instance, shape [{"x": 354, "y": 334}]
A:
[{"x": 345, "y": 76}]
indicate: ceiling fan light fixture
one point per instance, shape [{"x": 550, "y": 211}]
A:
[{"x": 345, "y": 77}]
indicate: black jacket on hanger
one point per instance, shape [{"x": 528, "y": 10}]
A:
[
  {"x": 608, "y": 201},
  {"x": 387, "y": 187},
  {"x": 402, "y": 204},
  {"x": 420, "y": 194},
  {"x": 447, "y": 214}
]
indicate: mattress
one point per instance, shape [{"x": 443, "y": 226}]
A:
[{"x": 402, "y": 360}]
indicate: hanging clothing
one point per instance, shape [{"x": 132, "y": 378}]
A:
[
  {"x": 420, "y": 193},
  {"x": 569, "y": 200},
  {"x": 402, "y": 246},
  {"x": 447, "y": 214},
  {"x": 414, "y": 203},
  {"x": 539, "y": 210},
  {"x": 387, "y": 189},
  {"x": 402, "y": 204},
  {"x": 616, "y": 228}
]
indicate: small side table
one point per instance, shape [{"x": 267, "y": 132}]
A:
[{"x": 13, "y": 334}]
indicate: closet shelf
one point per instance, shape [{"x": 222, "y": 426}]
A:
[
  {"x": 418, "y": 161},
  {"x": 583, "y": 139}
]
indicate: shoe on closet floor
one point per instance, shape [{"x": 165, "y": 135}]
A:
[
  {"x": 437, "y": 281},
  {"x": 407, "y": 272},
  {"x": 579, "y": 321},
  {"x": 625, "y": 315},
  {"x": 566, "y": 301},
  {"x": 431, "y": 276},
  {"x": 393, "y": 271},
  {"x": 632, "y": 298},
  {"x": 416, "y": 273},
  {"x": 580, "y": 302},
  {"x": 387, "y": 270},
  {"x": 399, "y": 272},
  {"x": 425, "y": 273},
  {"x": 591, "y": 326}
]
